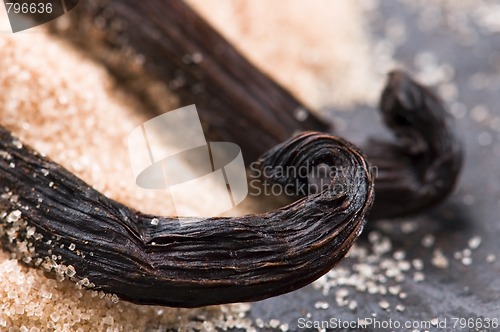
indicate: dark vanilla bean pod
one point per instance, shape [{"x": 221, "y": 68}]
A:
[
  {"x": 415, "y": 173},
  {"x": 179, "y": 50},
  {"x": 54, "y": 220},
  {"x": 419, "y": 169}
]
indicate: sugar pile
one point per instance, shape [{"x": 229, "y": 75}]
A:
[
  {"x": 68, "y": 108},
  {"x": 322, "y": 53}
]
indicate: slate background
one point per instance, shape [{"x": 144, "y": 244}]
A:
[{"x": 474, "y": 209}]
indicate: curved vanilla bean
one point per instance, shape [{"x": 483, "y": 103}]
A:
[
  {"x": 54, "y": 220},
  {"x": 179, "y": 49},
  {"x": 421, "y": 168}
]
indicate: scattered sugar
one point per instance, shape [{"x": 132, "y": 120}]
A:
[
  {"x": 399, "y": 255},
  {"x": 400, "y": 307},
  {"x": 474, "y": 242},
  {"x": 409, "y": 226},
  {"x": 428, "y": 240},
  {"x": 439, "y": 259},
  {"x": 30, "y": 231},
  {"x": 14, "y": 216},
  {"x": 384, "y": 304},
  {"x": 418, "y": 276},
  {"x": 465, "y": 255},
  {"x": 491, "y": 258},
  {"x": 394, "y": 290},
  {"x": 321, "y": 305},
  {"x": 353, "y": 305},
  {"x": 375, "y": 270},
  {"x": 466, "y": 261},
  {"x": 5, "y": 155},
  {"x": 418, "y": 264},
  {"x": 17, "y": 143},
  {"x": 70, "y": 272},
  {"x": 274, "y": 323}
]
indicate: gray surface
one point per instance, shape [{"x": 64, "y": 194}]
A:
[{"x": 462, "y": 291}]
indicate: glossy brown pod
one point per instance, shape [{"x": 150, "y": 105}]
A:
[
  {"x": 54, "y": 220},
  {"x": 421, "y": 167}
]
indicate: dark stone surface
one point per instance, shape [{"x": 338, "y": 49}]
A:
[{"x": 459, "y": 290}]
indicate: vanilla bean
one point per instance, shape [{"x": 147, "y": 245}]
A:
[
  {"x": 52, "y": 219},
  {"x": 179, "y": 49},
  {"x": 421, "y": 167},
  {"x": 240, "y": 104}
]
